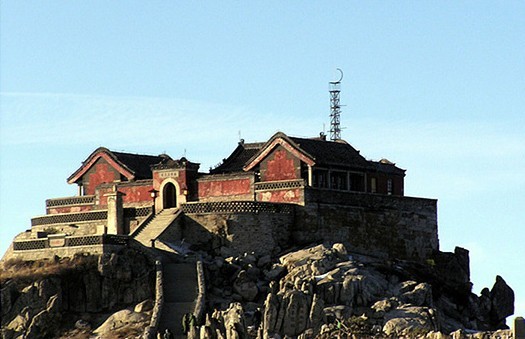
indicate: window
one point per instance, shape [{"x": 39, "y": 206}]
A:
[
  {"x": 373, "y": 185},
  {"x": 357, "y": 182},
  {"x": 338, "y": 180},
  {"x": 389, "y": 186},
  {"x": 320, "y": 178}
]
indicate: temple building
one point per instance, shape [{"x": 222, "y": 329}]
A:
[
  {"x": 276, "y": 171},
  {"x": 285, "y": 190}
]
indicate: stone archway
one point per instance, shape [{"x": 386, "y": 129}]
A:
[{"x": 169, "y": 196}]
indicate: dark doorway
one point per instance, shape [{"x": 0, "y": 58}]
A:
[{"x": 169, "y": 196}]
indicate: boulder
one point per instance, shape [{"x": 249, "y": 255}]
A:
[
  {"x": 245, "y": 287},
  {"x": 316, "y": 312},
  {"x": 275, "y": 273},
  {"x": 296, "y": 314},
  {"x": 46, "y": 322},
  {"x": 421, "y": 295},
  {"x": 340, "y": 248},
  {"x": 383, "y": 306},
  {"x": 82, "y": 324},
  {"x": 502, "y": 299},
  {"x": 271, "y": 308},
  {"x": 118, "y": 320},
  {"x": 234, "y": 321},
  {"x": 144, "y": 306},
  {"x": 408, "y": 320},
  {"x": 264, "y": 260}
]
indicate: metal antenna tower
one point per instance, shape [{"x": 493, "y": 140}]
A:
[{"x": 335, "y": 108}]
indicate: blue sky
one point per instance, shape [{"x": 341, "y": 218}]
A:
[{"x": 437, "y": 87}]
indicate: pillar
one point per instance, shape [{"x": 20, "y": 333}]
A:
[
  {"x": 519, "y": 328},
  {"x": 115, "y": 213},
  {"x": 310, "y": 176}
]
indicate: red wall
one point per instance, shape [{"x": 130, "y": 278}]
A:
[
  {"x": 219, "y": 188},
  {"x": 69, "y": 209},
  {"x": 102, "y": 200},
  {"x": 100, "y": 173},
  {"x": 280, "y": 165},
  {"x": 286, "y": 196},
  {"x": 136, "y": 194},
  {"x": 180, "y": 179}
]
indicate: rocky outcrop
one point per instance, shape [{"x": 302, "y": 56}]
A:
[
  {"x": 91, "y": 285},
  {"x": 502, "y": 302},
  {"x": 324, "y": 291}
]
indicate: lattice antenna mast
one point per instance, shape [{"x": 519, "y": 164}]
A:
[{"x": 335, "y": 108}]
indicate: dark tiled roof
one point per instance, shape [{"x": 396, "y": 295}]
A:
[
  {"x": 387, "y": 167},
  {"x": 236, "y": 161},
  {"x": 332, "y": 153},
  {"x": 139, "y": 164}
]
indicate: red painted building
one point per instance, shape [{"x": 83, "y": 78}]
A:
[
  {"x": 285, "y": 190},
  {"x": 275, "y": 171}
]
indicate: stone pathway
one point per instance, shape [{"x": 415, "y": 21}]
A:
[{"x": 180, "y": 292}]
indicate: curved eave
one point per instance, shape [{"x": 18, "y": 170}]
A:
[
  {"x": 283, "y": 140},
  {"x": 105, "y": 154}
]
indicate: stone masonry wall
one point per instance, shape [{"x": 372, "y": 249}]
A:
[
  {"x": 262, "y": 233},
  {"x": 400, "y": 227}
]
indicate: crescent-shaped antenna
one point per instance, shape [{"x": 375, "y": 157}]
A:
[{"x": 341, "y": 78}]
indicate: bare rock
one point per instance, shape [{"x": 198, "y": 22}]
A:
[
  {"x": 340, "y": 248},
  {"x": 296, "y": 313},
  {"x": 249, "y": 259},
  {"x": 316, "y": 312},
  {"x": 20, "y": 323},
  {"x": 46, "y": 322},
  {"x": 502, "y": 298},
  {"x": 320, "y": 259},
  {"x": 271, "y": 308},
  {"x": 245, "y": 287},
  {"x": 385, "y": 305},
  {"x": 404, "y": 286},
  {"x": 144, "y": 306},
  {"x": 234, "y": 321},
  {"x": 264, "y": 260},
  {"x": 82, "y": 324},
  {"x": 362, "y": 288},
  {"x": 119, "y": 320},
  {"x": 7, "y": 297},
  {"x": 421, "y": 295},
  {"x": 275, "y": 273},
  {"x": 407, "y": 320},
  {"x": 436, "y": 335}
]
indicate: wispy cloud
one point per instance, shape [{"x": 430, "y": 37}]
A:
[
  {"x": 460, "y": 153},
  {"x": 450, "y": 158},
  {"x": 133, "y": 122}
]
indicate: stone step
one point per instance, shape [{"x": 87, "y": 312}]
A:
[
  {"x": 156, "y": 226},
  {"x": 172, "y": 314},
  {"x": 180, "y": 282},
  {"x": 180, "y": 293}
]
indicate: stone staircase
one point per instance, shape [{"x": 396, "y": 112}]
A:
[
  {"x": 156, "y": 226},
  {"x": 180, "y": 291}
]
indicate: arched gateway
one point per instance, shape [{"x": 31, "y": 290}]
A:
[{"x": 169, "y": 196}]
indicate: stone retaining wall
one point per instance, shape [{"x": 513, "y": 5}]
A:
[
  {"x": 263, "y": 232},
  {"x": 401, "y": 227},
  {"x": 63, "y": 252}
]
